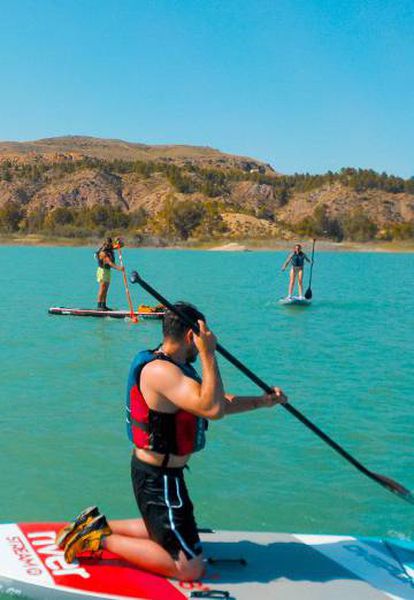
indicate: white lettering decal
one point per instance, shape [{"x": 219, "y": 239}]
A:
[
  {"x": 46, "y": 537},
  {"x": 23, "y": 554},
  {"x": 55, "y": 561}
]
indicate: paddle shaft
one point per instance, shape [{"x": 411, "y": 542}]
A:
[
  {"x": 311, "y": 267},
  {"x": 385, "y": 482},
  {"x": 257, "y": 380},
  {"x": 128, "y": 295}
]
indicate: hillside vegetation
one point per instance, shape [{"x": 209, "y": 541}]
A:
[{"x": 77, "y": 187}]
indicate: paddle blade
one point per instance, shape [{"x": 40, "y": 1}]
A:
[
  {"x": 308, "y": 294},
  {"x": 394, "y": 486},
  {"x": 134, "y": 277}
]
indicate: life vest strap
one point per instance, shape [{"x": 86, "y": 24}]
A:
[{"x": 140, "y": 425}]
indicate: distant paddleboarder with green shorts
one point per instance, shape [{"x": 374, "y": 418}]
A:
[
  {"x": 106, "y": 261},
  {"x": 297, "y": 261}
]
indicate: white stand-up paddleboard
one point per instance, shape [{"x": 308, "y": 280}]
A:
[
  {"x": 241, "y": 566},
  {"x": 295, "y": 301}
]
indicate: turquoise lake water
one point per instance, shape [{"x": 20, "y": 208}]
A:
[{"x": 345, "y": 361}]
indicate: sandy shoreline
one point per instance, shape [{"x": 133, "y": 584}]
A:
[
  {"x": 256, "y": 245},
  {"x": 322, "y": 246}
]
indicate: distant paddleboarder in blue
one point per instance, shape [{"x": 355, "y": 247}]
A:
[{"x": 297, "y": 260}]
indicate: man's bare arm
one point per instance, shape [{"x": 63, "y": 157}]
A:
[
  {"x": 165, "y": 386},
  {"x": 239, "y": 404},
  {"x": 212, "y": 399}
]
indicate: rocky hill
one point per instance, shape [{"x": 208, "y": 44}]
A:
[
  {"x": 75, "y": 147},
  {"x": 74, "y": 186}
]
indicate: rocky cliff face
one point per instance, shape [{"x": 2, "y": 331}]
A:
[
  {"x": 80, "y": 173},
  {"x": 379, "y": 206}
]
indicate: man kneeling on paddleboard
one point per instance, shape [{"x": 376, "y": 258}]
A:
[{"x": 168, "y": 409}]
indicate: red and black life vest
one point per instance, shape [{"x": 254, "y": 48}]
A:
[{"x": 178, "y": 433}]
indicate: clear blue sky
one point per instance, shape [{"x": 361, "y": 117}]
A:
[{"x": 307, "y": 85}]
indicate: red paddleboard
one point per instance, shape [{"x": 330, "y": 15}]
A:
[{"x": 34, "y": 565}]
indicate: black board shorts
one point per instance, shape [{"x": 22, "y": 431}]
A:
[{"x": 165, "y": 506}]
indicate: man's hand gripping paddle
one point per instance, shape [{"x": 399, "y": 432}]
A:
[{"x": 389, "y": 484}]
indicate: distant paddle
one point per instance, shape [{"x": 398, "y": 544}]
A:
[
  {"x": 118, "y": 245},
  {"x": 308, "y": 293},
  {"x": 389, "y": 484}
]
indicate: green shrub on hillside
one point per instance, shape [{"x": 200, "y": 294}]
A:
[
  {"x": 106, "y": 217},
  {"x": 320, "y": 225},
  {"x": 6, "y": 170},
  {"x": 59, "y": 216},
  {"x": 399, "y": 231},
  {"x": 181, "y": 220},
  {"x": 212, "y": 223},
  {"x": 177, "y": 177},
  {"x": 213, "y": 183},
  {"x": 138, "y": 218},
  {"x": 33, "y": 221},
  {"x": 10, "y": 216},
  {"x": 78, "y": 221},
  {"x": 357, "y": 227}
]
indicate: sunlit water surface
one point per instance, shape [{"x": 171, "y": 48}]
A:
[{"x": 345, "y": 361}]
